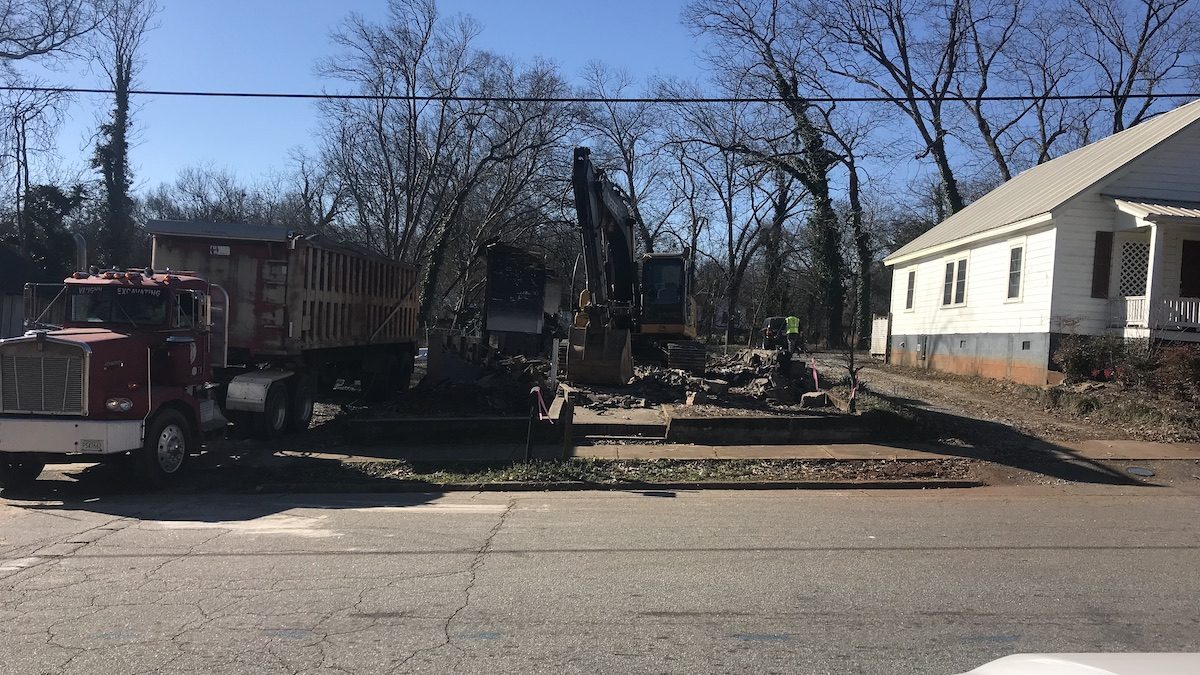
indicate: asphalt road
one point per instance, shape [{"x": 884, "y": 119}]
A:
[{"x": 788, "y": 582}]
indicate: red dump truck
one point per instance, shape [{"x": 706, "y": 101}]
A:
[{"x": 230, "y": 322}]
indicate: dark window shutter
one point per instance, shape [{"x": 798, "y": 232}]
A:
[
  {"x": 1189, "y": 271},
  {"x": 1102, "y": 264}
]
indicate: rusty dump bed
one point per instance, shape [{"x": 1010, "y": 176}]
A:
[{"x": 289, "y": 293}]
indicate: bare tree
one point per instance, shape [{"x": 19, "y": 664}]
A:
[
  {"x": 1137, "y": 49},
  {"x": 117, "y": 47},
  {"x": 205, "y": 193},
  {"x": 740, "y": 192},
  {"x": 911, "y": 52},
  {"x": 1046, "y": 63},
  {"x": 30, "y": 28},
  {"x": 629, "y": 142},
  {"x": 992, "y": 30},
  {"x": 424, "y": 180},
  {"x": 767, "y": 47},
  {"x": 320, "y": 201},
  {"x": 31, "y": 118}
]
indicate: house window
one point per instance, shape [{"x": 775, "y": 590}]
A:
[
  {"x": 1015, "y": 262},
  {"x": 954, "y": 291},
  {"x": 912, "y": 285}
]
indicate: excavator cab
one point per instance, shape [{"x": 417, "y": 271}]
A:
[{"x": 667, "y": 305}]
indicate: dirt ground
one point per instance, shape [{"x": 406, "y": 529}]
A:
[
  {"x": 1112, "y": 412},
  {"x": 988, "y": 400}
]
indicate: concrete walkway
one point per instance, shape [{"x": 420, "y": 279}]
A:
[
  {"x": 682, "y": 451},
  {"x": 1093, "y": 450}
]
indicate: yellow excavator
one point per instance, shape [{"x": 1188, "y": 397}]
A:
[{"x": 625, "y": 305}]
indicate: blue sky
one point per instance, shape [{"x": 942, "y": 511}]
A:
[{"x": 273, "y": 45}]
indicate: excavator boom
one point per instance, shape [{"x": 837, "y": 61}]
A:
[{"x": 599, "y": 340}]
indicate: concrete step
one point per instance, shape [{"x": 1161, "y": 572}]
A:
[
  {"x": 438, "y": 430},
  {"x": 602, "y": 440},
  {"x": 619, "y": 429}
]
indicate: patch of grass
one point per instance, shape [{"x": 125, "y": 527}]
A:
[
  {"x": 616, "y": 472},
  {"x": 1086, "y": 405},
  {"x": 1136, "y": 410}
]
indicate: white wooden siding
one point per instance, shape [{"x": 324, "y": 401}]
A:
[
  {"x": 1170, "y": 172},
  {"x": 987, "y": 308},
  {"x": 1073, "y": 307}
]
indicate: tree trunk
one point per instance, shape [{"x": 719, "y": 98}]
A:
[
  {"x": 862, "y": 249},
  {"x": 954, "y": 200},
  {"x": 112, "y": 158},
  {"x": 985, "y": 130},
  {"x": 23, "y": 239},
  {"x": 776, "y": 301},
  {"x": 829, "y": 269}
]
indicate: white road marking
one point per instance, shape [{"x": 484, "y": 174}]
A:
[
  {"x": 18, "y": 564},
  {"x": 286, "y": 524},
  {"x": 435, "y": 507}
]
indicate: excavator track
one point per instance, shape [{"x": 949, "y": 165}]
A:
[{"x": 686, "y": 355}]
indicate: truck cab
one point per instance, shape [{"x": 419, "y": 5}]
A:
[{"x": 127, "y": 370}]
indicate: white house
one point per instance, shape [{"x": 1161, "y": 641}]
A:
[{"x": 1105, "y": 239}]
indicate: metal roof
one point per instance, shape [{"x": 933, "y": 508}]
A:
[
  {"x": 183, "y": 228},
  {"x": 1045, "y": 187},
  {"x": 1157, "y": 210}
]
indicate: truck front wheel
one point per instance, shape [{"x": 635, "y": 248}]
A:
[
  {"x": 16, "y": 474},
  {"x": 166, "y": 448}
]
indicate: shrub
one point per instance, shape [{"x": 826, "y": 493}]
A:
[
  {"x": 1179, "y": 371},
  {"x": 1138, "y": 364},
  {"x": 1084, "y": 357}
]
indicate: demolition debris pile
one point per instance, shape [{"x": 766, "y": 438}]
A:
[
  {"x": 499, "y": 388},
  {"x": 651, "y": 386},
  {"x": 748, "y": 379}
]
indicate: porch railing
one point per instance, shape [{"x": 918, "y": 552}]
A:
[
  {"x": 1160, "y": 314},
  {"x": 1173, "y": 313},
  {"x": 1137, "y": 310}
]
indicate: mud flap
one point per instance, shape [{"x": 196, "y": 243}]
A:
[{"x": 603, "y": 357}]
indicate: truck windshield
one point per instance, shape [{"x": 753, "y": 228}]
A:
[{"x": 118, "y": 304}]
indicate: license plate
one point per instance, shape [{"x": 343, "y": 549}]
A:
[{"x": 91, "y": 445}]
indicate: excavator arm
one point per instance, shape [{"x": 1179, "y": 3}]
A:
[{"x": 599, "y": 339}]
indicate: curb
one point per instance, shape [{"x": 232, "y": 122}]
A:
[{"x": 580, "y": 486}]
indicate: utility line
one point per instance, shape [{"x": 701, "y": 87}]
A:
[{"x": 581, "y": 99}]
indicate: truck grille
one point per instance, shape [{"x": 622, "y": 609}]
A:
[{"x": 41, "y": 384}]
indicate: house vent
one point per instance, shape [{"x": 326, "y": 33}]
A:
[{"x": 1135, "y": 259}]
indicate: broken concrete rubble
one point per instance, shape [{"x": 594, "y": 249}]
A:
[{"x": 814, "y": 399}]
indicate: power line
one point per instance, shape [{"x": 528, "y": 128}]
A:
[{"x": 324, "y": 96}]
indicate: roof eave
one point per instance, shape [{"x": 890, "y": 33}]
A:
[{"x": 995, "y": 232}]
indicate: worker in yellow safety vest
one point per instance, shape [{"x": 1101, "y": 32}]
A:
[{"x": 793, "y": 333}]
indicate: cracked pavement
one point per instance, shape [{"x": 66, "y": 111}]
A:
[{"x": 855, "y": 581}]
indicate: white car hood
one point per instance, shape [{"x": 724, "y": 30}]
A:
[{"x": 1092, "y": 664}]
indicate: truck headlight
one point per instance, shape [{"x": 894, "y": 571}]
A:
[{"x": 119, "y": 404}]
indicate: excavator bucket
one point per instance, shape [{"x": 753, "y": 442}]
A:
[{"x": 603, "y": 357}]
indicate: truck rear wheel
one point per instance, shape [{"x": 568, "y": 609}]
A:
[
  {"x": 19, "y": 473},
  {"x": 404, "y": 370},
  {"x": 273, "y": 420},
  {"x": 168, "y": 443},
  {"x": 303, "y": 392},
  {"x": 379, "y": 376}
]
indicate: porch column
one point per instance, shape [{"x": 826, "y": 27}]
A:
[{"x": 1154, "y": 268}]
